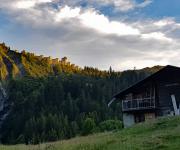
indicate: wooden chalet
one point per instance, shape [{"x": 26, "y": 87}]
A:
[{"x": 156, "y": 95}]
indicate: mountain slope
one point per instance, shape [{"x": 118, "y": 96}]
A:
[
  {"x": 161, "y": 134},
  {"x": 17, "y": 64},
  {"x": 14, "y": 64},
  {"x": 49, "y": 99}
]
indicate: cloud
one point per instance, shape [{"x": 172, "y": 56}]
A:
[
  {"x": 67, "y": 13},
  {"x": 165, "y": 22},
  {"x": 99, "y": 22},
  {"x": 121, "y": 5},
  {"x": 144, "y": 4},
  {"x": 88, "y": 37},
  {"x": 118, "y": 5},
  {"x": 89, "y": 18},
  {"x": 157, "y": 36},
  {"x": 24, "y": 4},
  {"x": 124, "y": 5},
  {"x": 102, "y": 24}
]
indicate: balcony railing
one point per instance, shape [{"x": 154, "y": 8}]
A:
[{"x": 138, "y": 104}]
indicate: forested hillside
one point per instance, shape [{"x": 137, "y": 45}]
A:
[{"x": 50, "y": 99}]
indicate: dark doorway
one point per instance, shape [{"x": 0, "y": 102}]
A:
[{"x": 139, "y": 118}]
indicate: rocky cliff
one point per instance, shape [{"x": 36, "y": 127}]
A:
[{"x": 4, "y": 106}]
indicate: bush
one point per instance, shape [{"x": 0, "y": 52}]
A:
[
  {"x": 110, "y": 125},
  {"x": 88, "y": 126}
]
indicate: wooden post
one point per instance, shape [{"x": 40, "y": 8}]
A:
[{"x": 176, "y": 111}]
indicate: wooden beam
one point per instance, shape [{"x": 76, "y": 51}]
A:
[
  {"x": 111, "y": 102},
  {"x": 176, "y": 111}
]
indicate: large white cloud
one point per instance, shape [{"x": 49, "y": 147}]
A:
[
  {"x": 89, "y": 37},
  {"x": 94, "y": 20}
]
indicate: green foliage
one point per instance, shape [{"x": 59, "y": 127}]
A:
[
  {"x": 88, "y": 126},
  {"x": 110, "y": 125},
  {"x": 53, "y": 108},
  {"x": 161, "y": 134},
  {"x": 36, "y": 67}
]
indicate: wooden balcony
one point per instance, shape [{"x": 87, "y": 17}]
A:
[{"x": 138, "y": 104}]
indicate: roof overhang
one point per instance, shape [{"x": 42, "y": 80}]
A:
[{"x": 153, "y": 77}]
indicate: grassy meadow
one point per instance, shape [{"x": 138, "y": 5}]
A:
[{"x": 161, "y": 134}]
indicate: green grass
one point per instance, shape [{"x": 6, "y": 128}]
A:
[{"x": 161, "y": 134}]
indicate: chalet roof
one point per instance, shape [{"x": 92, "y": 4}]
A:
[{"x": 153, "y": 77}]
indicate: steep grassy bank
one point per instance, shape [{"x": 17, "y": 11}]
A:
[{"x": 156, "y": 135}]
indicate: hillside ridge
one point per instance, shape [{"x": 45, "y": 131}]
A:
[{"x": 18, "y": 64}]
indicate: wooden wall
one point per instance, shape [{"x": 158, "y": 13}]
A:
[{"x": 165, "y": 89}]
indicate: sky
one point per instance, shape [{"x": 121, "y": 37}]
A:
[{"x": 122, "y": 34}]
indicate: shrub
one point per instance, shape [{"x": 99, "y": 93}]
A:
[
  {"x": 88, "y": 126},
  {"x": 110, "y": 125}
]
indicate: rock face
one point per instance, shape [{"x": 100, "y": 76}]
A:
[{"x": 4, "y": 106}]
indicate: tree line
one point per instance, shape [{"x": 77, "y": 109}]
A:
[{"x": 58, "y": 107}]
